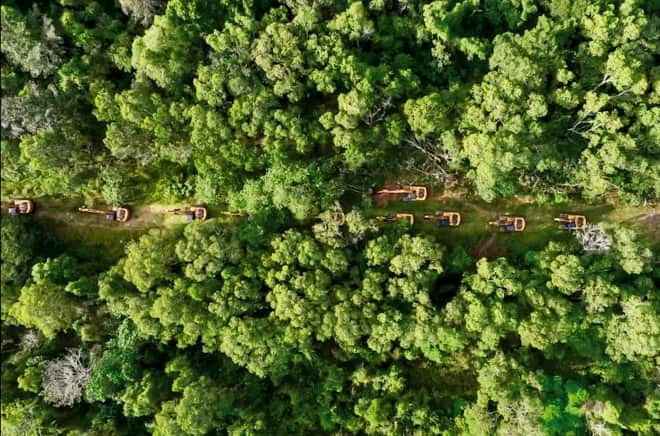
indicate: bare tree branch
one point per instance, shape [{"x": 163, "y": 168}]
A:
[
  {"x": 65, "y": 378},
  {"x": 594, "y": 239}
]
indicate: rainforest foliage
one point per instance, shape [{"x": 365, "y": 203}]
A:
[
  {"x": 210, "y": 330},
  {"x": 290, "y": 102},
  {"x": 287, "y": 323}
]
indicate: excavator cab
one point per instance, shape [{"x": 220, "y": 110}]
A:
[
  {"x": 418, "y": 193},
  {"x": 119, "y": 214},
  {"x": 408, "y": 192},
  {"x": 444, "y": 219},
  {"x": 21, "y": 207},
  {"x": 339, "y": 217},
  {"x": 192, "y": 213},
  {"x": 397, "y": 217},
  {"x": 509, "y": 223},
  {"x": 568, "y": 221}
]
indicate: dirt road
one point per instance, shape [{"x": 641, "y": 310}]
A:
[{"x": 62, "y": 216}]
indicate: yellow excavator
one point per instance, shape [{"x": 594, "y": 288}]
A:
[
  {"x": 444, "y": 219},
  {"x": 409, "y": 192},
  {"x": 191, "y": 213},
  {"x": 20, "y": 207},
  {"x": 119, "y": 214},
  {"x": 569, "y": 221},
  {"x": 339, "y": 217},
  {"x": 397, "y": 217},
  {"x": 509, "y": 223}
]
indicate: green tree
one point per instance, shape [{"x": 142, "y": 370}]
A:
[{"x": 46, "y": 307}]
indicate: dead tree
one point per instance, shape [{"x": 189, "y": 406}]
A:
[
  {"x": 142, "y": 11},
  {"x": 594, "y": 239},
  {"x": 65, "y": 378},
  {"x": 437, "y": 160},
  {"x": 378, "y": 113}
]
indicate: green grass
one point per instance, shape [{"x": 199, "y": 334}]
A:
[{"x": 102, "y": 244}]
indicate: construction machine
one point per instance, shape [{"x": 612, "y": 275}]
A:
[
  {"x": 20, "y": 207},
  {"x": 444, "y": 219},
  {"x": 397, "y": 216},
  {"x": 119, "y": 214},
  {"x": 191, "y": 213},
  {"x": 409, "y": 192},
  {"x": 509, "y": 223},
  {"x": 569, "y": 221},
  {"x": 339, "y": 217}
]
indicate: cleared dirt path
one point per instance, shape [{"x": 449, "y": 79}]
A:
[{"x": 62, "y": 216}]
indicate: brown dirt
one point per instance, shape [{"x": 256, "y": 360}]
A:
[
  {"x": 651, "y": 217},
  {"x": 488, "y": 249},
  {"x": 141, "y": 217}
]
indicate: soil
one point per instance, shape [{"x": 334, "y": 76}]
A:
[{"x": 489, "y": 249}]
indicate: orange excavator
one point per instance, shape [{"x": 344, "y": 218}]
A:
[
  {"x": 119, "y": 214},
  {"x": 397, "y": 217},
  {"x": 509, "y": 223},
  {"x": 409, "y": 192},
  {"x": 191, "y": 213},
  {"x": 20, "y": 207},
  {"x": 569, "y": 221},
  {"x": 444, "y": 219}
]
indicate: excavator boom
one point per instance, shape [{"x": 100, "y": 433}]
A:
[
  {"x": 92, "y": 210},
  {"x": 393, "y": 191},
  {"x": 411, "y": 193}
]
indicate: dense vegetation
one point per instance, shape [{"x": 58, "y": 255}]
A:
[
  {"x": 287, "y": 323},
  {"x": 211, "y": 329},
  {"x": 262, "y": 102}
]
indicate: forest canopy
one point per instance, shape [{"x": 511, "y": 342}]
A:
[
  {"x": 281, "y": 320},
  {"x": 236, "y": 101}
]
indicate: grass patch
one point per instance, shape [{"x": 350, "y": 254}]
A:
[{"x": 100, "y": 244}]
